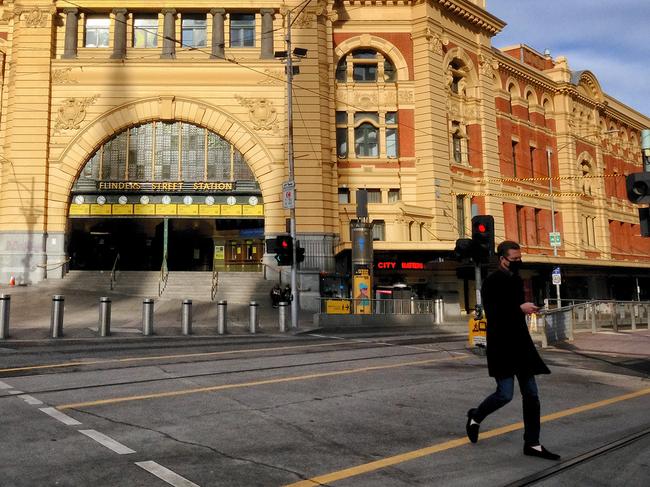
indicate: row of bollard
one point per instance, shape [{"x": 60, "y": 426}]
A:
[{"x": 104, "y": 323}]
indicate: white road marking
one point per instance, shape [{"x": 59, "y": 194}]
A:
[
  {"x": 30, "y": 399},
  {"x": 107, "y": 441},
  {"x": 64, "y": 418},
  {"x": 14, "y": 391},
  {"x": 165, "y": 474},
  {"x": 4, "y": 385}
]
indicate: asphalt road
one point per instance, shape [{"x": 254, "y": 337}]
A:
[{"x": 341, "y": 411}]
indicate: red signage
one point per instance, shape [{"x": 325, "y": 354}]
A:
[{"x": 393, "y": 265}]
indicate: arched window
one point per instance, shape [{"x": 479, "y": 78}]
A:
[
  {"x": 366, "y": 140},
  {"x": 532, "y": 102},
  {"x": 365, "y": 66},
  {"x": 166, "y": 151},
  {"x": 512, "y": 91},
  {"x": 586, "y": 172}
]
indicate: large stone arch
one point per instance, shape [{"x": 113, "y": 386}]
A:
[
  {"x": 378, "y": 43},
  {"x": 166, "y": 108}
]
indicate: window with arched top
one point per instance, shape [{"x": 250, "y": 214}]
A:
[
  {"x": 512, "y": 92},
  {"x": 166, "y": 151},
  {"x": 365, "y": 66},
  {"x": 457, "y": 77},
  {"x": 532, "y": 103},
  {"x": 587, "y": 174}
]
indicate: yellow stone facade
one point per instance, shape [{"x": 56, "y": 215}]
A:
[{"x": 57, "y": 109}]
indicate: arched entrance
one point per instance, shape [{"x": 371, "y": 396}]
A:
[{"x": 166, "y": 190}]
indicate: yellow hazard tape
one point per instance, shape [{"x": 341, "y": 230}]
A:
[
  {"x": 535, "y": 194},
  {"x": 554, "y": 178}
]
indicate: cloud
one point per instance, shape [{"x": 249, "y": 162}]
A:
[{"x": 604, "y": 37}]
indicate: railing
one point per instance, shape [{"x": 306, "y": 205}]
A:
[
  {"x": 54, "y": 265},
  {"x": 410, "y": 306},
  {"x": 215, "y": 283},
  {"x": 270, "y": 272},
  {"x": 560, "y": 324},
  {"x": 164, "y": 276},
  {"x": 113, "y": 271}
]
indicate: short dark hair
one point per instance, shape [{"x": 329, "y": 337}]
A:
[{"x": 505, "y": 246}]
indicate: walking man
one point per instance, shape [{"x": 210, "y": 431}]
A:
[{"x": 510, "y": 350}]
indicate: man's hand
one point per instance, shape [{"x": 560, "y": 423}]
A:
[{"x": 529, "y": 308}]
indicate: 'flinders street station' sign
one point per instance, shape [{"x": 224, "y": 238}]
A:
[{"x": 166, "y": 186}]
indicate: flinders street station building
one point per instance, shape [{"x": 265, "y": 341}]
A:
[{"x": 159, "y": 131}]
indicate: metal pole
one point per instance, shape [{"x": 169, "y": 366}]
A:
[
  {"x": 147, "y": 316},
  {"x": 5, "y": 302},
  {"x": 222, "y": 308},
  {"x": 593, "y": 317},
  {"x": 186, "y": 317},
  {"x": 56, "y": 318},
  {"x": 282, "y": 316},
  {"x": 104, "y": 316},
  {"x": 295, "y": 306},
  {"x": 550, "y": 190},
  {"x": 477, "y": 279},
  {"x": 252, "y": 317}
]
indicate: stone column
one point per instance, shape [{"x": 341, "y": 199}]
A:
[
  {"x": 169, "y": 34},
  {"x": 119, "y": 38},
  {"x": 267, "y": 33},
  {"x": 218, "y": 38},
  {"x": 71, "y": 26}
]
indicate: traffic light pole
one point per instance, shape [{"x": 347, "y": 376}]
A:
[
  {"x": 479, "y": 283},
  {"x": 295, "y": 305}
]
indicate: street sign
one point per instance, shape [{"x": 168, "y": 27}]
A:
[
  {"x": 289, "y": 194},
  {"x": 556, "y": 276},
  {"x": 555, "y": 239}
]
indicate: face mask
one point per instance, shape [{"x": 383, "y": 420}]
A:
[{"x": 514, "y": 266}]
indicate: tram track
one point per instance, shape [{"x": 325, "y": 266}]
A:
[
  {"x": 586, "y": 457},
  {"x": 223, "y": 373}
]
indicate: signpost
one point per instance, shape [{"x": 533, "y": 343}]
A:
[
  {"x": 289, "y": 195},
  {"x": 556, "y": 276}
]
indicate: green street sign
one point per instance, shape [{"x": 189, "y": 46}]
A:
[{"x": 555, "y": 239}]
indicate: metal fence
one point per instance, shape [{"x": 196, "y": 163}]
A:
[
  {"x": 410, "y": 306},
  {"x": 561, "y": 324}
]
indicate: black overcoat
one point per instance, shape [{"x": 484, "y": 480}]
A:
[{"x": 510, "y": 349}]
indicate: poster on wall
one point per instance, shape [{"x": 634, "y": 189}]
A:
[{"x": 362, "y": 289}]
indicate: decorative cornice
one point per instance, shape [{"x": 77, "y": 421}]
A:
[
  {"x": 529, "y": 74},
  {"x": 474, "y": 15}
]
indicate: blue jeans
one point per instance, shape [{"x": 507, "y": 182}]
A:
[{"x": 503, "y": 395}]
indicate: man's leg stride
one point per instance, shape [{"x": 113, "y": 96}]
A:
[
  {"x": 496, "y": 400},
  {"x": 530, "y": 402}
]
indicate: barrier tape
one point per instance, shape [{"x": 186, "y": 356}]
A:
[
  {"x": 564, "y": 194},
  {"x": 554, "y": 178}
]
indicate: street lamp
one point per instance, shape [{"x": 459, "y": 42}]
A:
[{"x": 288, "y": 55}]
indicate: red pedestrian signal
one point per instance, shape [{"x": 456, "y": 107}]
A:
[
  {"x": 482, "y": 238},
  {"x": 284, "y": 249}
]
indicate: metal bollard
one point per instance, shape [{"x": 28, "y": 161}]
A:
[
  {"x": 5, "y": 302},
  {"x": 56, "y": 318},
  {"x": 186, "y": 317},
  {"x": 222, "y": 315},
  {"x": 104, "y": 316},
  {"x": 439, "y": 311},
  {"x": 593, "y": 318},
  {"x": 282, "y": 315},
  {"x": 252, "y": 317},
  {"x": 147, "y": 316}
]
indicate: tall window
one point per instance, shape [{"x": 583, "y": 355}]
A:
[
  {"x": 344, "y": 196},
  {"x": 378, "y": 230},
  {"x": 193, "y": 33},
  {"x": 366, "y": 140},
  {"x": 391, "y": 134},
  {"x": 366, "y": 65},
  {"x": 460, "y": 216},
  {"x": 242, "y": 30},
  {"x": 537, "y": 226},
  {"x": 457, "y": 144},
  {"x": 96, "y": 34},
  {"x": 374, "y": 195},
  {"x": 145, "y": 31},
  {"x": 394, "y": 195},
  {"x": 342, "y": 134},
  {"x": 532, "y": 152},
  {"x": 514, "y": 158},
  {"x": 521, "y": 224}
]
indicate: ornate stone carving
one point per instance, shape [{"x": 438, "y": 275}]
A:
[
  {"x": 62, "y": 77},
  {"x": 36, "y": 17},
  {"x": 272, "y": 77},
  {"x": 72, "y": 112},
  {"x": 488, "y": 65},
  {"x": 366, "y": 100},
  {"x": 261, "y": 112},
  {"x": 406, "y": 96}
]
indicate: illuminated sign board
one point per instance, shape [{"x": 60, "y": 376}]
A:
[
  {"x": 166, "y": 186},
  {"x": 395, "y": 265}
]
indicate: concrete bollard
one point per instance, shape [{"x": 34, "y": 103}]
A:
[
  {"x": 222, "y": 317},
  {"x": 5, "y": 302},
  {"x": 186, "y": 317},
  {"x": 104, "y": 316},
  {"x": 56, "y": 318},
  {"x": 252, "y": 317},
  {"x": 282, "y": 316},
  {"x": 147, "y": 316}
]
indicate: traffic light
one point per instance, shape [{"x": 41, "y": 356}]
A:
[
  {"x": 483, "y": 237},
  {"x": 300, "y": 253},
  {"x": 638, "y": 187},
  {"x": 463, "y": 248},
  {"x": 284, "y": 249}
]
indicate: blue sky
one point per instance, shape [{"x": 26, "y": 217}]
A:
[{"x": 611, "y": 38}]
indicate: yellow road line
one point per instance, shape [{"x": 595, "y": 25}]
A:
[
  {"x": 447, "y": 445},
  {"x": 162, "y": 357},
  {"x": 276, "y": 380}
]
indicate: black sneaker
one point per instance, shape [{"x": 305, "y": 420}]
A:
[
  {"x": 472, "y": 429},
  {"x": 547, "y": 455}
]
